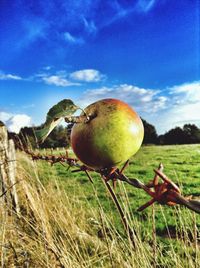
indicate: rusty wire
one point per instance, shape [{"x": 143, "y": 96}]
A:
[{"x": 165, "y": 192}]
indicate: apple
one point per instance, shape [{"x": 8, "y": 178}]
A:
[{"x": 114, "y": 133}]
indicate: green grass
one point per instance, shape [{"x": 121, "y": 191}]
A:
[
  {"x": 181, "y": 164},
  {"x": 59, "y": 205}
]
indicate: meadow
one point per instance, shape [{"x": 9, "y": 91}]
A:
[{"x": 66, "y": 221}]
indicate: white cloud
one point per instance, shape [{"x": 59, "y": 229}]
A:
[
  {"x": 144, "y": 100},
  {"x": 87, "y": 75},
  {"x": 5, "y": 116},
  {"x": 188, "y": 92},
  {"x": 58, "y": 80},
  {"x": 9, "y": 77},
  {"x": 64, "y": 79},
  {"x": 47, "y": 68},
  {"x": 18, "y": 121},
  {"x": 183, "y": 107},
  {"x": 176, "y": 116},
  {"x": 145, "y": 5},
  {"x": 165, "y": 109},
  {"x": 90, "y": 26},
  {"x": 72, "y": 39},
  {"x": 15, "y": 122}
]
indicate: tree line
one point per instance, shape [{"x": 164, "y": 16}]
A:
[
  {"x": 60, "y": 136},
  {"x": 188, "y": 134}
]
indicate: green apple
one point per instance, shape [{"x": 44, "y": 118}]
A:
[{"x": 114, "y": 133}]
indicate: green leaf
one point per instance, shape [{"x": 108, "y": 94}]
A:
[{"x": 55, "y": 115}]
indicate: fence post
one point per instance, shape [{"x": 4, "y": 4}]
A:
[{"x": 8, "y": 169}]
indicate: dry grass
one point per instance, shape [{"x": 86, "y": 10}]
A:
[{"x": 56, "y": 230}]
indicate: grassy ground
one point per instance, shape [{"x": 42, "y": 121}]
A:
[{"x": 68, "y": 222}]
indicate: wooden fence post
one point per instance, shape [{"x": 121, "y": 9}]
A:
[{"x": 8, "y": 169}]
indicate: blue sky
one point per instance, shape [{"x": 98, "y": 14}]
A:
[{"x": 145, "y": 52}]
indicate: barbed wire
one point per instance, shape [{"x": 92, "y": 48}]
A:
[{"x": 165, "y": 192}]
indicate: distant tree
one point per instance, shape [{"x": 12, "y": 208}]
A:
[
  {"x": 192, "y": 133},
  {"x": 150, "y": 134},
  {"x": 60, "y": 136},
  {"x": 174, "y": 136},
  {"x": 57, "y": 138},
  {"x": 189, "y": 134},
  {"x": 161, "y": 139},
  {"x": 26, "y": 137}
]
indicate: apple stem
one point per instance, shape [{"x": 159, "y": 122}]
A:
[
  {"x": 79, "y": 119},
  {"x": 88, "y": 118},
  {"x": 76, "y": 119}
]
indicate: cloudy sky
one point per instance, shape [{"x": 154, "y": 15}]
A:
[{"x": 145, "y": 52}]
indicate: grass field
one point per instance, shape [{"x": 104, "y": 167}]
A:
[{"x": 67, "y": 221}]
